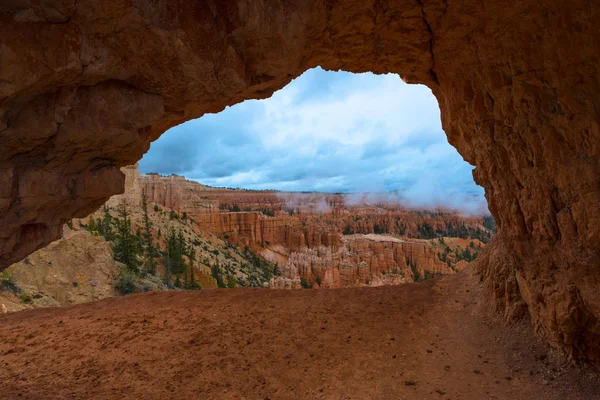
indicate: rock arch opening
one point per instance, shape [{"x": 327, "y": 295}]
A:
[
  {"x": 85, "y": 87},
  {"x": 340, "y": 180}
]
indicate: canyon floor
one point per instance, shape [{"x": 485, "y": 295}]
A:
[{"x": 431, "y": 340}]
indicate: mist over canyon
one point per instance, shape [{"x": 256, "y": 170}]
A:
[{"x": 370, "y": 136}]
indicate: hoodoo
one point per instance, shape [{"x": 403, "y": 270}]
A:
[{"x": 85, "y": 86}]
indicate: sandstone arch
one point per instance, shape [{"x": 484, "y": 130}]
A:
[{"x": 85, "y": 86}]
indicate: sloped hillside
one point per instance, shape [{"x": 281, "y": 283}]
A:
[
  {"x": 76, "y": 269},
  {"x": 83, "y": 266},
  {"x": 216, "y": 263}
]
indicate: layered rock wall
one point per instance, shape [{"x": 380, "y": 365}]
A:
[{"x": 360, "y": 261}]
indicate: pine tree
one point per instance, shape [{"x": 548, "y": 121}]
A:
[
  {"x": 186, "y": 280},
  {"x": 181, "y": 241},
  {"x": 178, "y": 261},
  {"x": 230, "y": 281},
  {"x": 215, "y": 271},
  {"x": 175, "y": 252},
  {"x": 467, "y": 255},
  {"x": 178, "y": 282},
  {"x": 150, "y": 249},
  {"x": 106, "y": 225},
  {"x": 192, "y": 257},
  {"x": 139, "y": 241},
  {"x": 92, "y": 228},
  {"x": 170, "y": 245},
  {"x": 126, "y": 247},
  {"x": 192, "y": 284}
]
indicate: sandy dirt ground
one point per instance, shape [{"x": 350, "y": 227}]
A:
[{"x": 431, "y": 340}]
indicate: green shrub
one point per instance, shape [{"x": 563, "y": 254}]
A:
[
  {"x": 304, "y": 283},
  {"x": 8, "y": 282},
  {"x": 416, "y": 276},
  {"x": 26, "y": 298},
  {"x": 230, "y": 281},
  {"x": 125, "y": 282}
]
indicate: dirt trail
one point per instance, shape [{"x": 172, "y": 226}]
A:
[{"x": 417, "y": 341}]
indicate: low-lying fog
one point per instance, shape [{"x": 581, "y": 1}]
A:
[{"x": 332, "y": 132}]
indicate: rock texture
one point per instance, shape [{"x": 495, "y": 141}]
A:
[
  {"x": 302, "y": 231},
  {"x": 361, "y": 260},
  {"x": 293, "y": 220},
  {"x": 85, "y": 86},
  {"x": 78, "y": 268}
]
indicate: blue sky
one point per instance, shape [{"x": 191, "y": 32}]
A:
[{"x": 326, "y": 131}]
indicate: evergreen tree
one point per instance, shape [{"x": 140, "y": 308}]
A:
[
  {"x": 177, "y": 282},
  {"x": 192, "y": 258},
  {"x": 126, "y": 247},
  {"x": 186, "y": 278},
  {"x": 171, "y": 250},
  {"x": 176, "y": 250},
  {"x": 490, "y": 223},
  {"x": 150, "y": 249},
  {"x": 193, "y": 284},
  {"x": 139, "y": 241},
  {"x": 215, "y": 271},
  {"x": 99, "y": 225},
  {"x": 106, "y": 225},
  {"x": 230, "y": 281},
  {"x": 467, "y": 255},
  {"x": 168, "y": 260},
  {"x": 92, "y": 228},
  {"x": 181, "y": 248}
]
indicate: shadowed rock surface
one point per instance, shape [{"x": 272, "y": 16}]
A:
[{"x": 85, "y": 86}]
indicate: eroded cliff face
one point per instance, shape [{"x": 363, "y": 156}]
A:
[
  {"x": 76, "y": 269},
  {"x": 288, "y": 222},
  {"x": 85, "y": 86},
  {"x": 362, "y": 260}
]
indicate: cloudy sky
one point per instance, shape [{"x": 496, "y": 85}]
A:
[{"x": 326, "y": 131}]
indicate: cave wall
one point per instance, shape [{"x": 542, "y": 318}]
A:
[{"x": 85, "y": 86}]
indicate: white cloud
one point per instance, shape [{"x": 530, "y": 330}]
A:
[{"x": 326, "y": 131}]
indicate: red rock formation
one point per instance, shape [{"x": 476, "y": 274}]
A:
[
  {"x": 85, "y": 86},
  {"x": 361, "y": 260},
  {"x": 306, "y": 224}
]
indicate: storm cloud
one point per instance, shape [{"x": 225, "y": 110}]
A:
[{"x": 326, "y": 131}]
